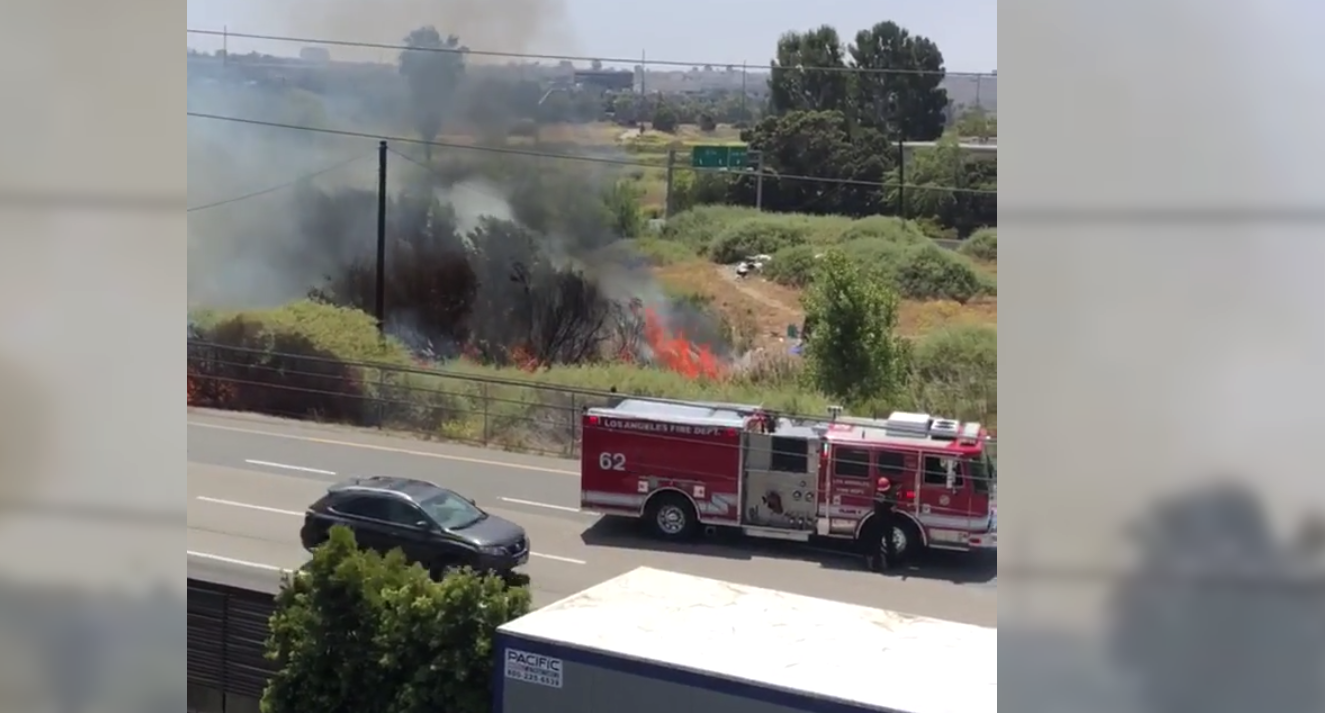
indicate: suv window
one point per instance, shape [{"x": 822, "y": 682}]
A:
[
  {"x": 376, "y": 507},
  {"x": 936, "y": 474},
  {"x": 851, "y": 462},
  {"x": 452, "y": 512}
]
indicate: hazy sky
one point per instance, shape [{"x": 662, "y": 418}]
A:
[{"x": 700, "y": 31}]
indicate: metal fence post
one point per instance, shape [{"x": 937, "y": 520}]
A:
[
  {"x": 574, "y": 424},
  {"x": 379, "y": 397},
  {"x": 485, "y": 396}
]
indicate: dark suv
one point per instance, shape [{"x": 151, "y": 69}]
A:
[{"x": 435, "y": 527}]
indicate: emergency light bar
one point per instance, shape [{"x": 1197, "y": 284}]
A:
[{"x": 970, "y": 434}]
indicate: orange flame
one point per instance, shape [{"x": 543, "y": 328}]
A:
[{"x": 675, "y": 352}]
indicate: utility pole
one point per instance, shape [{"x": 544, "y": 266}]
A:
[
  {"x": 671, "y": 172},
  {"x": 381, "y": 239}
]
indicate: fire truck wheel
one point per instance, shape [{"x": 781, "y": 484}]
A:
[
  {"x": 671, "y": 517},
  {"x": 906, "y": 538}
]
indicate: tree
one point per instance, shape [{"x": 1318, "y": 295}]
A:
[
  {"x": 908, "y": 104},
  {"x": 665, "y": 117},
  {"x": 976, "y": 123},
  {"x": 822, "y": 144},
  {"x": 356, "y": 631},
  {"x": 807, "y": 72},
  {"x": 432, "y": 67},
  {"x": 944, "y": 183},
  {"x": 852, "y": 352}
]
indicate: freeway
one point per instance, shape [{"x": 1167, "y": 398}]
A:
[{"x": 250, "y": 478}]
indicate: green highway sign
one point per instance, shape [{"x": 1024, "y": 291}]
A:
[{"x": 732, "y": 157}]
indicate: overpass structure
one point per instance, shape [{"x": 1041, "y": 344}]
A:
[{"x": 980, "y": 150}]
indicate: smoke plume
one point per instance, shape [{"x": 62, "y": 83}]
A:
[{"x": 277, "y": 213}]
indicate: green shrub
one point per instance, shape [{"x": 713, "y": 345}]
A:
[
  {"x": 932, "y": 273},
  {"x": 347, "y": 334},
  {"x": 919, "y": 271},
  {"x": 703, "y": 225},
  {"x": 793, "y": 266},
  {"x": 621, "y": 201},
  {"x": 954, "y": 372},
  {"x": 852, "y": 351},
  {"x": 755, "y": 236},
  {"x": 699, "y": 226},
  {"x": 880, "y": 252},
  {"x": 885, "y": 228},
  {"x": 359, "y": 631},
  {"x": 982, "y": 245},
  {"x": 934, "y": 230}
]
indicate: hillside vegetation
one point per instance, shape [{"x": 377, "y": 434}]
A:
[
  {"x": 509, "y": 275},
  {"x": 315, "y": 361}
]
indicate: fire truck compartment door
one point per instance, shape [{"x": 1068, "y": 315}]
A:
[
  {"x": 781, "y": 500},
  {"x": 780, "y": 487}
]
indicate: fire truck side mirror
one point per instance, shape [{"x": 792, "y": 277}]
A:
[{"x": 950, "y": 481}]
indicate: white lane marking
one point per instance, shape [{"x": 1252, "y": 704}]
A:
[
  {"x": 556, "y": 558},
  {"x": 532, "y": 504},
  {"x": 231, "y": 560},
  {"x": 384, "y": 449},
  {"x": 261, "y": 508},
  {"x": 278, "y": 511},
  {"x": 285, "y": 466}
]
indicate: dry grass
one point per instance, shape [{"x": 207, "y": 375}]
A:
[
  {"x": 768, "y": 314},
  {"x": 771, "y": 307}
]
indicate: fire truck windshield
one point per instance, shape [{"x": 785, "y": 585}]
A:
[{"x": 984, "y": 469}]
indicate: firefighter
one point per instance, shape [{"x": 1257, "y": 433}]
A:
[{"x": 882, "y": 527}]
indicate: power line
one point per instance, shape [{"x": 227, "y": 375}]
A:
[
  {"x": 275, "y": 188},
  {"x": 574, "y": 58},
  {"x": 509, "y": 151}
]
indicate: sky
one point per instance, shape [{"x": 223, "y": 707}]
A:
[{"x": 715, "y": 32}]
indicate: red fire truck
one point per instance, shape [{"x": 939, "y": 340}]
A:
[{"x": 687, "y": 467}]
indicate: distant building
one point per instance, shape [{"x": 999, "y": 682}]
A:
[
  {"x": 606, "y": 79},
  {"x": 315, "y": 54}
]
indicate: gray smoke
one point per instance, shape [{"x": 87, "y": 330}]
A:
[{"x": 251, "y": 253}]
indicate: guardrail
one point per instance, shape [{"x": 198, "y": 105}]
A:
[{"x": 227, "y": 635}]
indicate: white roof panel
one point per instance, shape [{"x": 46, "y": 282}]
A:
[
  {"x": 673, "y": 411},
  {"x": 779, "y": 640}
]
